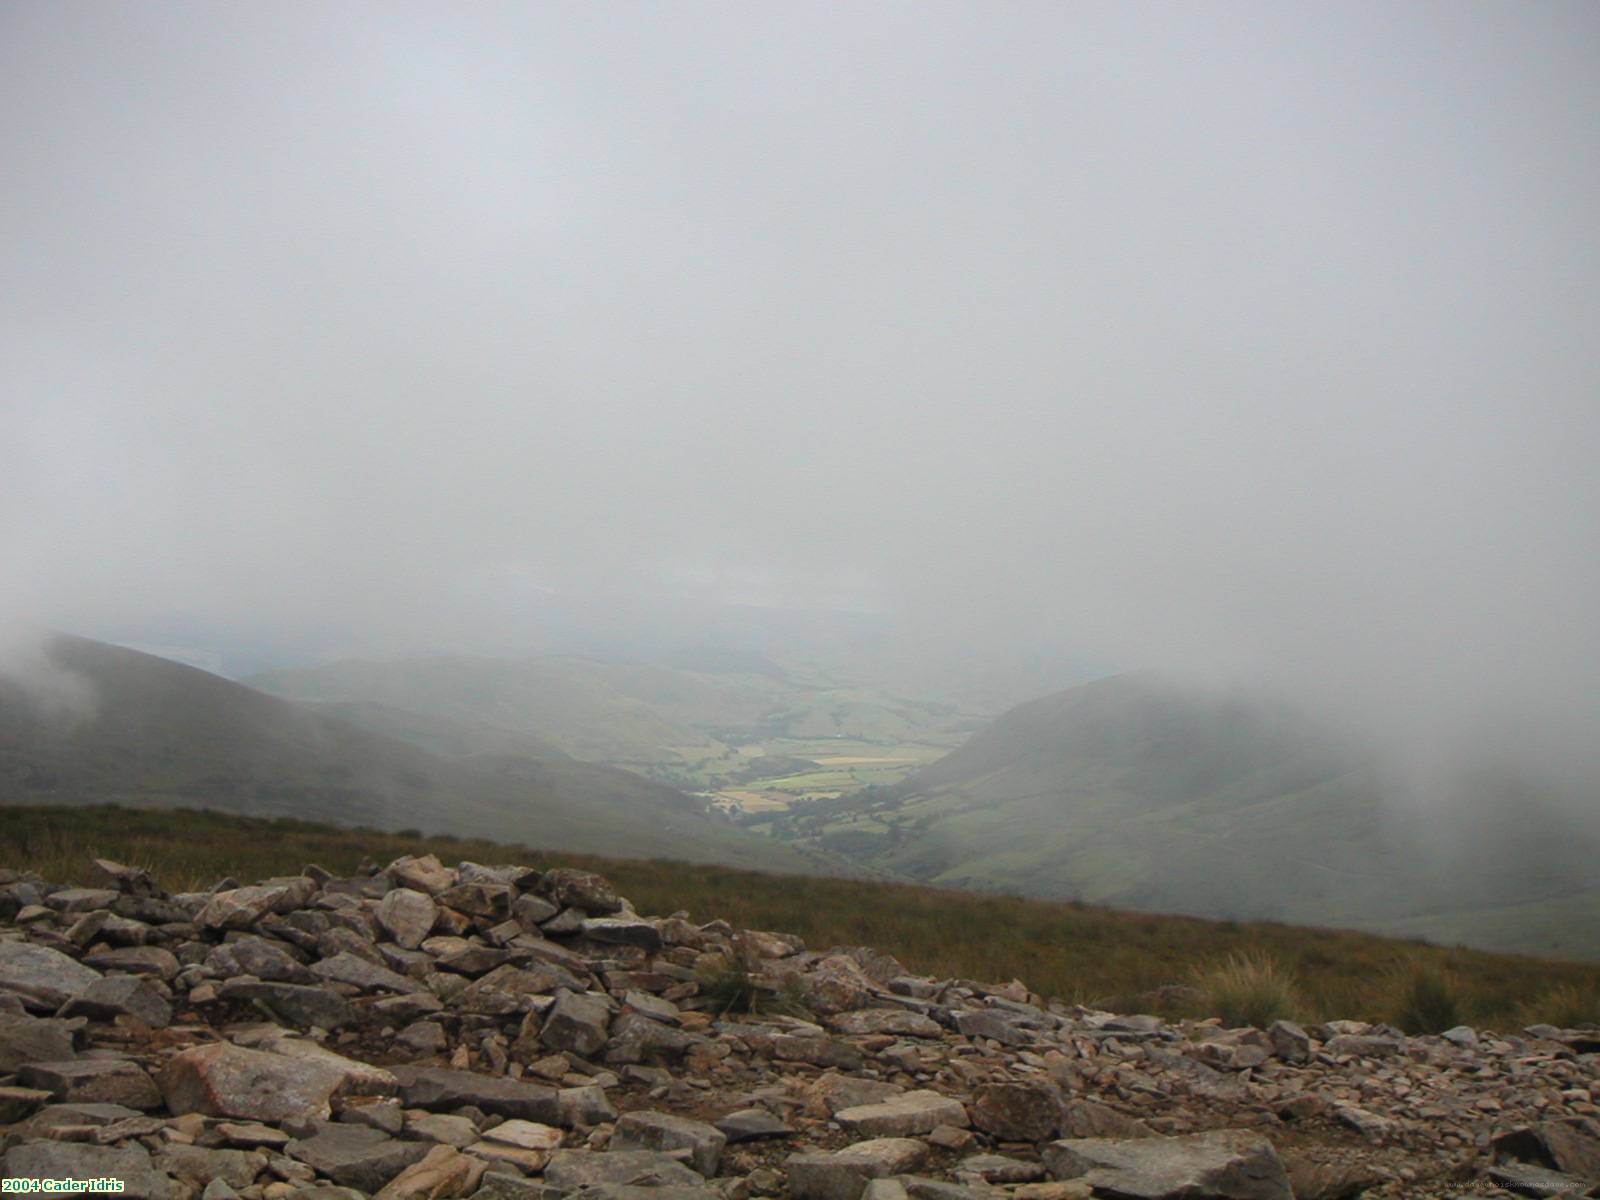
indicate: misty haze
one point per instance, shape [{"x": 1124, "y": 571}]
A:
[{"x": 1134, "y": 464}]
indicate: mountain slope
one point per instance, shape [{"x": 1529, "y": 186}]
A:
[
  {"x": 154, "y": 732},
  {"x": 563, "y": 703},
  {"x": 1135, "y": 793}
]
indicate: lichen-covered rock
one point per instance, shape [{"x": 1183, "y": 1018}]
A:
[{"x": 581, "y": 890}]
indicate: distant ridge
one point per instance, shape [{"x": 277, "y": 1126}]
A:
[
  {"x": 1136, "y": 792},
  {"x": 161, "y": 733}
]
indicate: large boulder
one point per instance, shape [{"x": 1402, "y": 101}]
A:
[{"x": 224, "y": 1080}]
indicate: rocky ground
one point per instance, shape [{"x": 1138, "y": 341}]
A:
[{"x": 500, "y": 1033}]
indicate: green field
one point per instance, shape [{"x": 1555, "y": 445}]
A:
[{"x": 833, "y": 767}]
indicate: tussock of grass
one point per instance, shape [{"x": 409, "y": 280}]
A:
[
  {"x": 1566, "y": 1005},
  {"x": 733, "y": 988},
  {"x": 1250, "y": 989},
  {"x": 1072, "y": 951},
  {"x": 1428, "y": 1002}
]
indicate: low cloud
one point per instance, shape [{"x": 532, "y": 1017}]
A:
[{"x": 1254, "y": 344}]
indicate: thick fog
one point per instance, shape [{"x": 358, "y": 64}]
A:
[{"x": 1258, "y": 341}]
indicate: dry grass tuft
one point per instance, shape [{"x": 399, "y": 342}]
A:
[{"x": 1250, "y": 989}]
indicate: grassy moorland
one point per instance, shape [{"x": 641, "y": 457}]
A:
[{"x": 1075, "y": 952}]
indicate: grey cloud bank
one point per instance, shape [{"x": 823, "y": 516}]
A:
[{"x": 1254, "y": 341}]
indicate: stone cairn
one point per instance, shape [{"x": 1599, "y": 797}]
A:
[{"x": 497, "y": 1032}]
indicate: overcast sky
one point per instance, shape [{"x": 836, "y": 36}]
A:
[{"x": 1254, "y": 339}]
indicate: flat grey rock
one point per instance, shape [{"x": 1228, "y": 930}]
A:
[
  {"x": 25, "y": 1039},
  {"x": 441, "y": 1088},
  {"x": 94, "y": 1081},
  {"x": 749, "y": 1124},
  {"x": 46, "y": 977},
  {"x": 121, "y": 995},
  {"x": 843, "y": 1174},
  {"x": 295, "y": 1004},
  {"x": 903, "y": 1116},
  {"x": 646, "y": 1130},
  {"x": 576, "y": 1022},
  {"x": 346, "y": 967},
  {"x": 572, "y": 1170},
  {"x": 356, "y": 1156},
  {"x": 1234, "y": 1165}
]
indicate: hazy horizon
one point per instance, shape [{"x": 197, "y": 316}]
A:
[{"x": 1251, "y": 342}]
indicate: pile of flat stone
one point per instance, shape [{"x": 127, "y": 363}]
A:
[{"x": 497, "y": 1032}]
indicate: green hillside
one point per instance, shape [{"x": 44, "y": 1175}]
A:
[
  {"x": 1135, "y": 793},
  {"x": 159, "y": 733}
]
